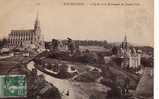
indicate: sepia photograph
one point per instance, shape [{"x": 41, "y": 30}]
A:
[{"x": 76, "y": 49}]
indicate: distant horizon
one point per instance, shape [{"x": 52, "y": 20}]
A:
[
  {"x": 109, "y": 42},
  {"x": 80, "y": 22}
]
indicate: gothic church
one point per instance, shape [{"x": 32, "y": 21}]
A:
[{"x": 25, "y": 38}]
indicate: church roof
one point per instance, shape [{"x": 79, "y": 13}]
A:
[{"x": 27, "y": 31}]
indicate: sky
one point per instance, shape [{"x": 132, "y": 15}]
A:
[{"x": 85, "y": 22}]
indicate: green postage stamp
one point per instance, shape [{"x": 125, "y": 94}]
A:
[{"x": 13, "y": 86}]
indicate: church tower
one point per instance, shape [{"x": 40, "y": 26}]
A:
[
  {"x": 37, "y": 32},
  {"x": 125, "y": 43},
  {"x": 37, "y": 28}
]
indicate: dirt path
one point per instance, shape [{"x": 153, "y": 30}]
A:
[{"x": 77, "y": 90}]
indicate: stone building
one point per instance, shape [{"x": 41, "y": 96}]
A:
[
  {"x": 26, "y": 38},
  {"x": 130, "y": 56}
]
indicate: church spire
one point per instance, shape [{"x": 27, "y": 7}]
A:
[
  {"x": 37, "y": 22},
  {"x": 125, "y": 43},
  {"x": 37, "y": 15},
  {"x": 125, "y": 38}
]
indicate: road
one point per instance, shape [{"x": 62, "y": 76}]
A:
[{"x": 77, "y": 90}]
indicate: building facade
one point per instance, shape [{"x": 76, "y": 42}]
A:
[
  {"x": 130, "y": 56},
  {"x": 26, "y": 38}
]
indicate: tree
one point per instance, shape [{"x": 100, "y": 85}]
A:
[
  {"x": 71, "y": 45},
  {"x": 114, "y": 50},
  {"x": 3, "y": 42},
  {"x": 55, "y": 44}
]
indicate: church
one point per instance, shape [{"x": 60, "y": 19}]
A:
[
  {"x": 131, "y": 57},
  {"x": 27, "y": 38}
]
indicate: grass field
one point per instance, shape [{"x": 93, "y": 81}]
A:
[{"x": 93, "y": 48}]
